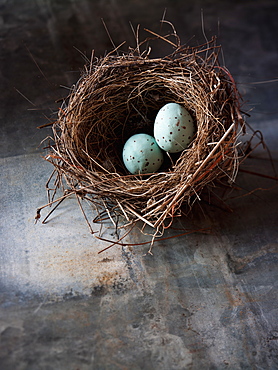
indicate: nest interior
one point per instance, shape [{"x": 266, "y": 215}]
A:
[{"x": 119, "y": 95}]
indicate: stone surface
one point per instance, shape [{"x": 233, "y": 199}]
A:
[{"x": 206, "y": 300}]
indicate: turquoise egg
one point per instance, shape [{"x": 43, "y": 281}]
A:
[
  {"x": 173, "y": 128},
  {"x": 141, "y": 154}
]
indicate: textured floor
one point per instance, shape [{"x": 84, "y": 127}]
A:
[{"x": 204, "y": 300}]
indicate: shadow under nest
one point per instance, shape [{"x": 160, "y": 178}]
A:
[{"x": 118, "y": 96}]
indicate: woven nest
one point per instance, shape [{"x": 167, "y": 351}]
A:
[{"x": 119, "y": 95}]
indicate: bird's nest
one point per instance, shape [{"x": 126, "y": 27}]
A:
[{"x": 119, "y": 95}]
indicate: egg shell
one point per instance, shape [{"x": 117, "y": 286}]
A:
[
  {"x": 141, "y": 154},
  {"x": 173, "y": 128}
]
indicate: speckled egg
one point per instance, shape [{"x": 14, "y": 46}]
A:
[
  {"x": 141, "y": 154},
  {"x": 173, "y": 128}
]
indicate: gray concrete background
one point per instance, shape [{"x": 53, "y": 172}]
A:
[{"x": 204, "y": 300}]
